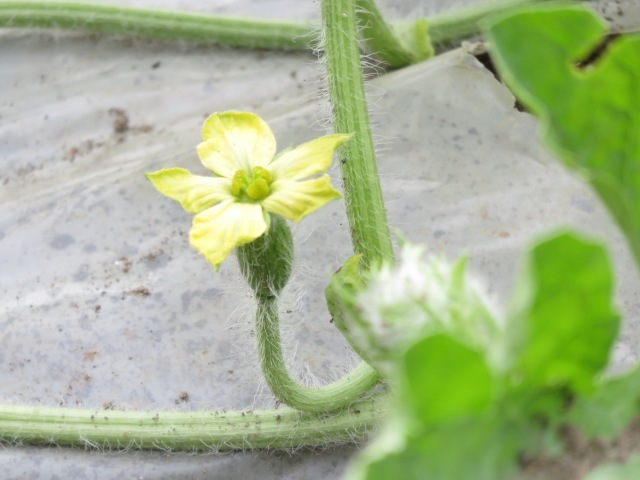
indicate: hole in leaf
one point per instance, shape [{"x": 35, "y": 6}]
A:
[{"x": 598, "y": 51}]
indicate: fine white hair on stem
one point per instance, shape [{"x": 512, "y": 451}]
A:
[{"x": 372, "y": 68}]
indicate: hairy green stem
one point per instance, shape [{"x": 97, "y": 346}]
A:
[
  {"x": 187, "y": 431},
  {"x": 333, "y": 396},
  {"x": 240, "y": 32},
  {"x": 163, "y": 24},
  {"x": 465, "y": 22},
  {"x": 363, "y": 195}
]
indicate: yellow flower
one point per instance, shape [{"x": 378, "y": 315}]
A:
[{"x": 233, "y": 207}]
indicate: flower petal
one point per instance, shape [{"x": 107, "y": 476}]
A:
[
  {"x": 235, "y": 140},
  {"x": 217, "y": 231},
  {"x": 195, "y": 193},
  {"x": 294, "y": 200},
  {"x": 307, "y": 159}
]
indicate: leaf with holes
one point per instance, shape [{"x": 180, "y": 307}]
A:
[{"x": 590, "y": 114}]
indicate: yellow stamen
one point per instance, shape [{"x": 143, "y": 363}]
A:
[
  {"x": 258, "y": 189},
  {"x": 260, "y": 172},
  {"x": 238, "y": 183}
]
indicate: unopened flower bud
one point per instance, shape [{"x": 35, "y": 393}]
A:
[{"x": 418, "y": 297}]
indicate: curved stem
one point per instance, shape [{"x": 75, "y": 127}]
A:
[
  {"x": 187, "y": 431},
  {"x": 363, "y": 194},
  {"x": 163, "y": 24},
  {"x": 336, "y": 395}
]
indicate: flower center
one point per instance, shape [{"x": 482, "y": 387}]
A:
[{"x": 255, "y": 186}]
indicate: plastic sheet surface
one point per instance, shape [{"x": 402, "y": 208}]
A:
[{"x": 103, "y": 302}]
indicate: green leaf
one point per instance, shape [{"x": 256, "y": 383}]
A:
[
  {"x": 479, "y": 449},
  {"x": 617, "y": 471},
  {"x": 444, "y": 427},
  {"x": 461, "y": 415},
  {"x": 590, "y": 116},
  {"x": 610, "y": 409},
  {"x": 443, "y": 380},
  {"x": 563, "y": 323}
]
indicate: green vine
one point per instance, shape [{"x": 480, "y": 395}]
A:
[
  {"x": 363, "y": 195},
  {"x": 199, "y": 28},
  {"x": 186, "y": 431},
  {"x": 232, "y": 31}
]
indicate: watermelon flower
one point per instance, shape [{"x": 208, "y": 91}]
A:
[{"x": 233, "y": 207}]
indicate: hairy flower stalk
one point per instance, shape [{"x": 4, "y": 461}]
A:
[
  {"x": 266, "y": 265},
  {"x": 334, "y": 396}
]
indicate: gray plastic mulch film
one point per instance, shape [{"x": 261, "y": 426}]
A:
[{"x": 103, "y": 302}]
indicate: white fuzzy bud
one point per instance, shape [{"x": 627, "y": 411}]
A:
[{"x": 416, "y": 298}]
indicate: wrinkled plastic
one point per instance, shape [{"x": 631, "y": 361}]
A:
[{"x": 104, "y": 303}]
